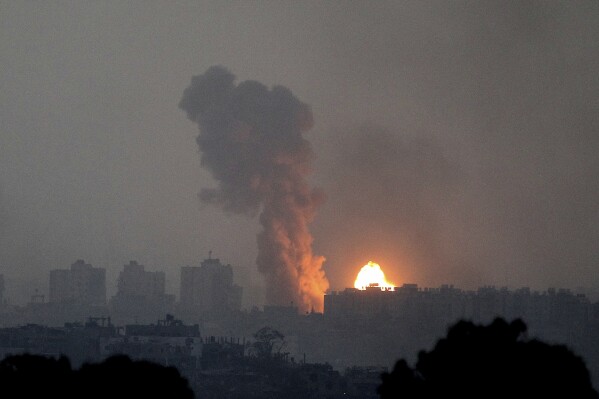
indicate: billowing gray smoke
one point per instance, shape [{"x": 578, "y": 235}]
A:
[{"x": 251, "y": 141}]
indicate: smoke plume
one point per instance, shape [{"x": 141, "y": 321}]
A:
[{"x": 251, "y": 141}]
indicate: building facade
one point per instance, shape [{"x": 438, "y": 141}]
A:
[
  {"x": 209, "y": 289},
  {"x": 135, "y": 281},
  {"x": 140, "y": 295},
  {"x": 82, "y": 284}
]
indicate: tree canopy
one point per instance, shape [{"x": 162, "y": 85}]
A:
[
  {"x": 268, "y": 342},
  {"x": 493, "y": 361},
  {"x": 34, "y": 376}
]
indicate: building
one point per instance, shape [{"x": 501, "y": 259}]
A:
[
  {"x": 169, "y": 342},
  {"x": 140, "y": 295},
  {"x": 134, "y": 281},
  {"x": 447, "y": 304},
  {"x": 79, "y": 342},
  {"x": 82, "y": 284},
  {"x": 209, "y": 289}
]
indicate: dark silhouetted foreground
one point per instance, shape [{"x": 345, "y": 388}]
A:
[
  {"x": 33, "y": 376},
  {"x": 494, "y": 361}
]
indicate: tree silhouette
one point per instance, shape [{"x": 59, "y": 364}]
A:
[
  {"x": 494, "y": 361},
  {"x": 34, "y": 376},
  {"x": 121, "y": 377},
  {"x": 268, "y": 342}
]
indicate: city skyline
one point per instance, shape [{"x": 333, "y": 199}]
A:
[
  {"x": 112, "y": 286},
  {"x": 299, "y": 199},
  {"x": 447, "y": 151}
]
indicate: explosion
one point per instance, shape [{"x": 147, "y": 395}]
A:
[
  {"x": 371, "y": 275},
  {"x": 251, "y": 140}
]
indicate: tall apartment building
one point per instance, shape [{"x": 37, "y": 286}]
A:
[
  {"x": 209, "y": 288},
  {"x": 134, "y": 281},
  {"x": 140, "y": 295},
  {"x": 82, "y": 284}
]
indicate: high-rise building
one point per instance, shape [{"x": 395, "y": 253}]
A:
[
  {"x": 134, "y": 281},
  {"x": 82, "y": 284},
  {"x": 140, "y": 295},
  {"x": 209, "y": 288}
]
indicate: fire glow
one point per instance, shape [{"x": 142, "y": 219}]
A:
[{"x": 371, "y": 275}]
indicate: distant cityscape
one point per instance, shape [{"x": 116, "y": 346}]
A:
[
  {"x": 206, "y": 330},
  {"x": 141, "y": 297}
]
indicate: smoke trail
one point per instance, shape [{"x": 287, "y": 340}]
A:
[{"x": 251, "y": 141}]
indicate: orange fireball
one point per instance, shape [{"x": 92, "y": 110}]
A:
[{"x": 371, "y": 275}]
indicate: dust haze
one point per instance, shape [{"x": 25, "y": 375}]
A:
[
  {"x": 488, "y": 173},
  {"x": 456, "y": 142}
]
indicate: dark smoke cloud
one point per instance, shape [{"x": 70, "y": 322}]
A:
[
  {"x": 507, "y": 93},
  {"x": 395, "y": 203},
  {"x": 251, "y": 141},
  {"x": 404, "y": 202}
]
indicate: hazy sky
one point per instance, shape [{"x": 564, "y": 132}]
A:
[{"x": 456, "y": 142}]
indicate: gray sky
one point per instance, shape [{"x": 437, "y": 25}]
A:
[{"x": 456, "y": 141}]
